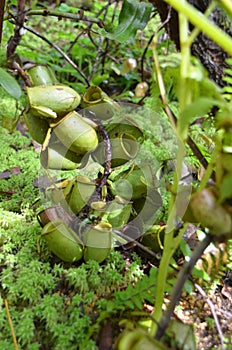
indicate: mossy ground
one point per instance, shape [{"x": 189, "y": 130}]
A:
[{"x": 53, "y": 305}]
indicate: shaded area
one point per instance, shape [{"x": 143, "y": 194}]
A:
[{"x": 208, "y": 52}]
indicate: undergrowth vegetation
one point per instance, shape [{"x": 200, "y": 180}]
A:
[{"x": 46, "y": 303}]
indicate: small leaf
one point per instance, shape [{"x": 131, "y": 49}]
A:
[
  {"x": 129, "y": 304},
  {"x": 199, "y": 273},
  {"x": 10, "y": 84},
  {"x": 138, "y": 302},
  {"x": 99, "y": 79},
  {"x": 197, "y": 109},
  {"x": 149, "y": 297},
  {"x": 226, "y": 188},
  {"x": 134, "y": 15},
  {"x": 188, "y": 287}
]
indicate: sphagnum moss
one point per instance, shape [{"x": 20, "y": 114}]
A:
[{"x": 51, "y": 303}]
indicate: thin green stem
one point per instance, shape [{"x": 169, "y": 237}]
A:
[
  {"x": 170, "y": 245},
  {"x": 161, "y": 84},
  {"x": 171, "y": 241},
  {"x": 227, "y": 5},
  {"x": 181, "y": 279},
  {"x": 201, "y": 22},
  {"x": 185, "y": 91},
  {"x": 196, "y": 30}
]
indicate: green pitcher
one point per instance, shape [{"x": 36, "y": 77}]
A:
[
  {"x": 37, "y": 127},
  {"x": 124, "y": 148},
  {"x": 133, "y": 183},
  {"x": 76, "y": 134},
  {"x": 82, "y": 190},
  {"x": 52, "y": 101},
  {"x": 98, "y": 242},
  {"x": 62, "y": 241},
  {"x": 57, "y": 157},
  {"x": 98, "y": 102},
  {"x": 118, "y": 212},
  {"x": 41, "y": 75}
]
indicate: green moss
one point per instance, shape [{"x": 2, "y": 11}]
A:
[
  {"x": 19, "y": 158},
  {"x": 11, "y": 109},
  {"x": 51, "y": 302}
]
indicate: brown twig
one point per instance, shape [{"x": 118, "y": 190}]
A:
[
  {"x": 22, "y": 73},
  {"x": 150, "y": 41},
  {"x": 58, "y": 49},
  {"x": 15, "y": 39},
  {"x": 98, "y": 55},
  {"x": 73, "y": 16},
  {"x": 11, "y": 325},
  {"x": 99, "y": 44},
  {"x": 141, "y": 246},
  {"x": 88, "y": 31},
  {"x": 2, "y": 6},
  {"x": 106, "y": 40},
  {"x": 84, "y": 31},
  {"x": 212, "y": 308},
  {"x": 198, "y": 154},
  {"x": 181, "y": 279},
  {"x": 108, "y": 152}
]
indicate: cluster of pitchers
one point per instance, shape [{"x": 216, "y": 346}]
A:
[{"x": 67, "y": 127}]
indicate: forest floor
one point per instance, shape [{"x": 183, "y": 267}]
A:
[
  {"x": 211, "y": 316},
  {"x": 208, "y": 310}
]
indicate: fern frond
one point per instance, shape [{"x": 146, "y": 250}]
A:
[
  {"x": 227, "y": 90},
  {"x": 135, "y": 296},
  {"x": 214, "y": 262}
]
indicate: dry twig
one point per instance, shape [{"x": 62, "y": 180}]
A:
[
  {"x": 181, "y": 279},
  {"x": 58, "y": 49},
  {"x": 213, "y": 311},
  {"x": 11, "y": 324},
  {"x": 2, "y": 6}
]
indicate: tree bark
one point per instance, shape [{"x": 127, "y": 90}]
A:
[{"x": 210, "y": 54}]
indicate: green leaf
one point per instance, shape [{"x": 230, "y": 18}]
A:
[
  {"x": 199, "y": 273},
  {"x": 130, "y": 304},
  {"x": 138, "y": 302},
  {"x": 99, "y": 79},
  {"x": 226, "y": 188},
  {"x": 198, "y": 108},
  {"x": 188, "y": 287},
  {"x": 10, "y": 84},
  {"x": 134, "y": 15}
]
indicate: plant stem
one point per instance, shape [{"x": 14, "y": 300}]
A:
[
  {"x": 53, "y": 13},
  {"x": 170, "y": 245},
  {"x": 201, "y": 22},
  {"x": 171, "y": 241},
  {"x": 228, "y": 5},
  {"x": 2, "y": 6},
  {"x": 196, "y": 30},
  {"x": 181, "y": 279},
  {"x": 185, "y": 91},
  {"x": 58, "y": 49},
  {"x": 11, "y": 325},
  {"x": 169, "y": 112},
  {"x": 14, "y": 41}
]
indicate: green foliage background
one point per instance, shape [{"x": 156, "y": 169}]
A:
[{"x": 55, "y": 305}]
